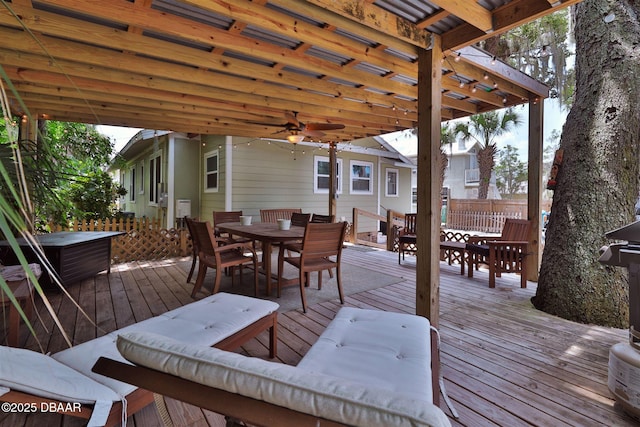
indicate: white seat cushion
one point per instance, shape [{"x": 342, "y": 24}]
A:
[
  {"x": 38, "y": 374},
  {"x": 324, "y": 396},
  {"x": 204, "y": 322},
  {"x": 377, "y": 348}
]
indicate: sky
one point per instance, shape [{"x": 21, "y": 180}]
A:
[{"x": 118, "y": 134}]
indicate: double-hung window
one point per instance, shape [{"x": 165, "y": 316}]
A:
[
  {"x": 211, "y": 171},
  {"x": 321, "y": 172},
  {"x": 361, "y": 177},
  {"x": 391, "y": 187},
  {"x": 132, "y": 184},
  {"x": 155, "y": 178}
]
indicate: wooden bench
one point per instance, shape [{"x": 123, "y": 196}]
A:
[
  {"x": 368, "y": 368},
  {"x": 225, "y": 321}
]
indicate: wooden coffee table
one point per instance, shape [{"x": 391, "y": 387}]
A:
[{"x": 452, "y": 246}]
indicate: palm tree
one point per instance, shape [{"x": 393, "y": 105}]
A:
[
  {"x": 447, "y": 137},
  {"x": 484, "y": 128}
]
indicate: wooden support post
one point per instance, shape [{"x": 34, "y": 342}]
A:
[
  {"x": 536, "y": 121},
  {"x": 428, "y": 219},
  {"x": 333, "y": 179}
]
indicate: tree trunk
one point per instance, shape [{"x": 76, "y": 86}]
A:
[
  {"x": 486, "y": 162},
  {"x": 597, "y": 184}
]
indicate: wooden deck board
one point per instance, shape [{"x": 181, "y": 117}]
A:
[{"x": 504, "y": 363}]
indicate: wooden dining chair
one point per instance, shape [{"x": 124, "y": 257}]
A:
[
  {"x": 194, "y": 249},
  {"x": 218, "y": 253},
  {"x": 300, "y": 219},
  {"x": 220, "y": 217},
  {"x": 273, "y": 215},
  {"x": 322, "y": 218},
  {"x": 321, "y": 250},
  {"x": 407, "y": 238}
]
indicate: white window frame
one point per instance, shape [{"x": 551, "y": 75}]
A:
[
  {"x": 207, "y": 173},
  {"x": 316, "y": 175},
  {"x": 353, "y": 177},
  {"x": 155, "y": 178},
  {"x": 388, "y": 172}
]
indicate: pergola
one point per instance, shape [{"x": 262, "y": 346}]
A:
[{"x": 245, "y": 68}]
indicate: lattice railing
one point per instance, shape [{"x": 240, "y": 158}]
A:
[
  {"x": 139, "y": 245},
  {"x": 145, "y": 239}
]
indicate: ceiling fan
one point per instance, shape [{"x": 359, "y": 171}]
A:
[{"x": 299, "y": 130}]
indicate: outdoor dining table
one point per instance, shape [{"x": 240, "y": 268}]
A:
[{"x": 268, "y": 234}]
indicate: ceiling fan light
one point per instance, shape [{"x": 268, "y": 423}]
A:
[{"x": 294, "y": 139}]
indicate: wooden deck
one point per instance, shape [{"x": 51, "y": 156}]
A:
[{"x": 504, "y": 363}]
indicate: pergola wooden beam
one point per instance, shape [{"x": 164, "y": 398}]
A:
[{"x": 469, "y": 11}]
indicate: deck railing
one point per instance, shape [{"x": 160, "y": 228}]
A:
[{"x": 145, "y": 239}]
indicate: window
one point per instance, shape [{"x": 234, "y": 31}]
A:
[
  {"x": 321, "y": 175},
  {"x": 155, "y": 179},
  {"x": 392, "y": 183},
  {"x": 361, "y": 177},
  {"x": 132, "y": 185},
  {"x": 141, "y": 174},
  {"x": 211, "y": 171}
]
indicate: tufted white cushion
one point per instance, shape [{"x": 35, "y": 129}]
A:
[
  {"x": 324, "y": 396},
  {"x": 35, "y": 373},
  {"x": 204, "y": 322},
  {"x": 377, "y": 348}
]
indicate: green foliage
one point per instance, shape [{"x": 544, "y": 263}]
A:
[
  {"x": 484, "y": 128},
  {"x": 511, "y": 172},
  {"x": 93, "y": 195},
  {"x": 540, "y": 48},
  {"x": 64, "y": 171}
]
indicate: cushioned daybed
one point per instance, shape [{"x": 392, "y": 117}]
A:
[{"x": 369, "y": 368}]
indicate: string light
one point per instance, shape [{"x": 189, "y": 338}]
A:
[
  {"x": 474, "y": 89},
  {"x": 457, "y": 58},
  {"x": 493, "y": 60},
  {"x": 486, "y": 76}
]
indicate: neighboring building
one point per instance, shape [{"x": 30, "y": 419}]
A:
[
  {"x": 170, "y": 175},
  {"x": 462, "y": 177}
]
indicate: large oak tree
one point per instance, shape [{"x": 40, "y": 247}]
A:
[{"x": 597, "y": 184}]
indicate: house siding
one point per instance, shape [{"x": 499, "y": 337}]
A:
[
  {"x": 212, "y": 201},
  {"x": 187, "y": 184},
  {"x": 261, "y": 175}
]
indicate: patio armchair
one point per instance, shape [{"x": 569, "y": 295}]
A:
[
  {"x": 218, "y": 253},
  {"x": 502, "y": 254},
  {"x": 407, "y": 236},
  {"x": 320, "y": 243}
]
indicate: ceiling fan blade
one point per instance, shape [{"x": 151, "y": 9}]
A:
[
  {"x": 315, "y": 133},
  {"x": 292, "y": 118},
  {"x": 323, "y": 126}
]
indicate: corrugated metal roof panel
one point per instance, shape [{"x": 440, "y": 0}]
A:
[{"x": 193, "y": 13}]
